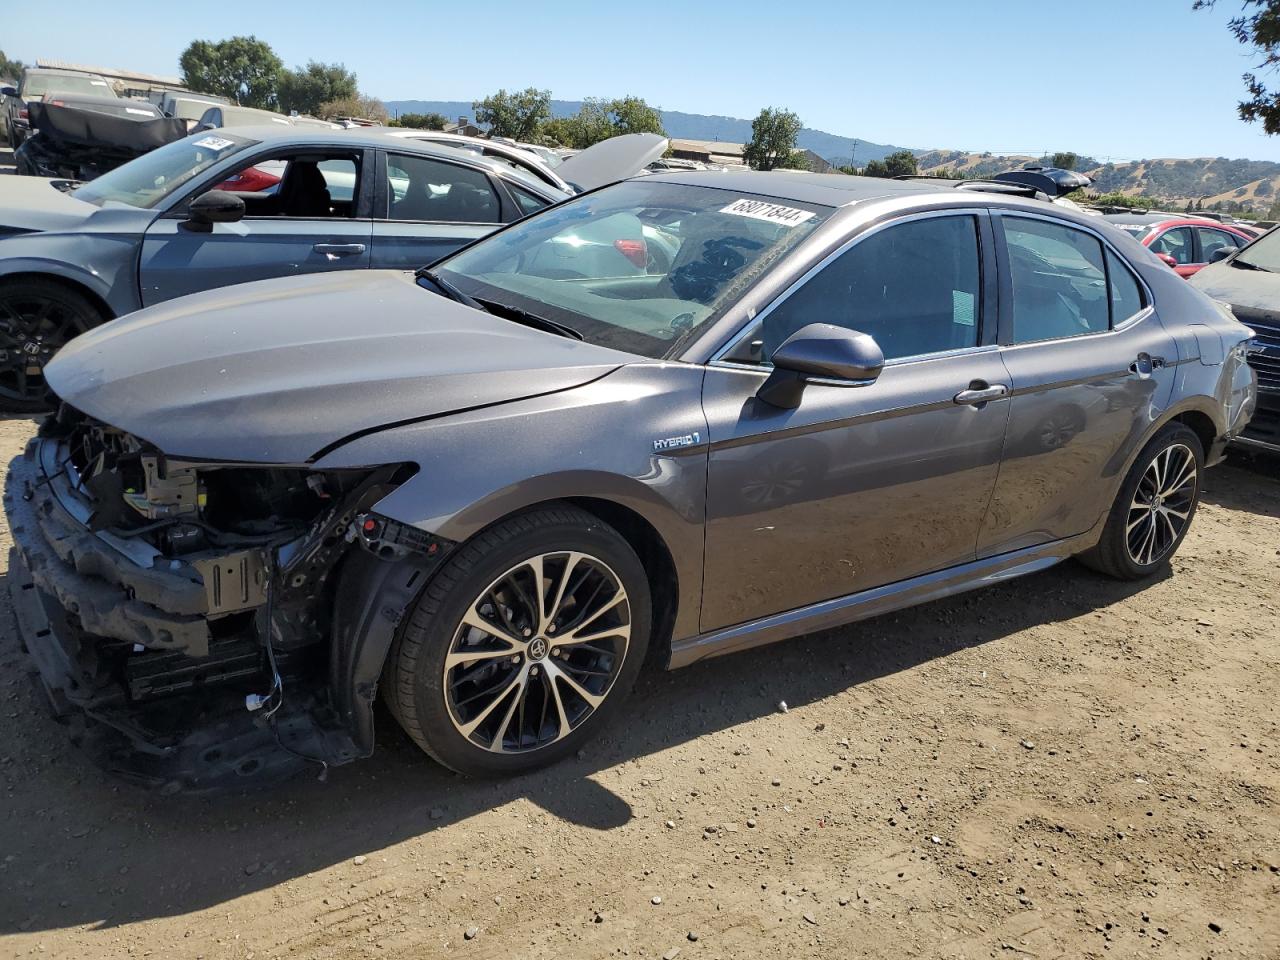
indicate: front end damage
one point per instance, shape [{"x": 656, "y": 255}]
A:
[{"x": 202, "y": 623}]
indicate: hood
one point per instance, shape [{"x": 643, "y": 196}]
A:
[
  {"x": 32, "y": 203},
  {"x": 277, "y": 370},
  {"x": 1253, "y": 295},
  {"x": 611, "y": 160}
]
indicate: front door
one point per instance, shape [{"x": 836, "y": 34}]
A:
[
  {"x": 1090, "y": 366},
  {"x": 303, "y": 215},
  {"x": 860, "y": 486}
]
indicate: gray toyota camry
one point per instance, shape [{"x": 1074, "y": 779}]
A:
[{"x": 672, "y": 418}]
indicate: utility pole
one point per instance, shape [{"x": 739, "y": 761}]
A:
[{"x": 853, "y": 155}]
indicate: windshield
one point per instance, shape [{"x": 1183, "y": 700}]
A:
[
  {"x": 37, "y": 85},
  {"x": 641, "y": 266},
  {"x": 150, "y": 178},
  {"x": 1263, "y": 252}
]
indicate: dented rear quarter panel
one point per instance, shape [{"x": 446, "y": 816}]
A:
[{"x": 592, "y": 442}]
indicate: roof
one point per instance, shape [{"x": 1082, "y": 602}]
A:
[
  {"x": 833, "y": 190},
  {"x": 108, "y": 72},
  {"x": 276, "y": 135}
]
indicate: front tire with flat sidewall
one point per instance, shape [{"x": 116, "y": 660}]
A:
[
  {"x": 524, "y": 645},
  {"x": 1155, "y": 507}
]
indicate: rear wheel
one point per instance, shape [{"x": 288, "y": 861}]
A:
[
  {"x": 1153, "y": 512},
  {"x": 524, "y": 645},
  {"x": 37, "y": 318}
]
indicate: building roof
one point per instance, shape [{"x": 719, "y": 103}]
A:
[
  {"x": 111, "y": 73},
  {"x": 722, "y": 147}
]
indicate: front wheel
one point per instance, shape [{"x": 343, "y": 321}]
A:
[
  {"x": 524, "y": 645},
  {"x": 1153, "y": 512},
  {"x": 37, "y": 318}
]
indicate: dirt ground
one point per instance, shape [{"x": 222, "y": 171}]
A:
[{"x": 1061, "y": 766}]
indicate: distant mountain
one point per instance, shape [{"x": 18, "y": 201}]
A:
[
  {"x": 685, "y": 126},
  {"x": 1253, "y": 184}
]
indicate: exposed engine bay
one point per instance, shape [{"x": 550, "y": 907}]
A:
[{"x": 190, "y": 606}]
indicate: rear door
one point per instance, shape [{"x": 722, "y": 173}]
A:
[
  {"x": 1091, "y": 366},
  {"x": 1210, "y": 240},
  {"x": 428, "y": 207},
  {"x": 315, "y": 219}
]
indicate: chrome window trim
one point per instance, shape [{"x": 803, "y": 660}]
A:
[
  {"x": 736, "y": 337},
  {"x": 1149, "y": 307}
]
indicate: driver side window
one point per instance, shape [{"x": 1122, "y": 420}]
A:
[
  {"x": 313, "y": 186},
  {"x": 915, "y": 287}
]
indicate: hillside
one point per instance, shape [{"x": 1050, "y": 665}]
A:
[
  {"x": 686, "y": 126},
  {"x": 1254, "y": 184}
]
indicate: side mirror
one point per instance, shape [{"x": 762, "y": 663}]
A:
[
  {"x": 8, "y": 91},
  {"x": 216, "y": 206},
  {"x": 820, "y": 353},
  {"x": 1220, "y": 254},
  {"x": 1171, "y": 261}
]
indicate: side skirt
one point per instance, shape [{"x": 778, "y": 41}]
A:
[{"x": 878, "y": 600}]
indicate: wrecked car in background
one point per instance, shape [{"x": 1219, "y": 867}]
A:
[
  {"x": 34, "y": 85},
  {"x": 80, "y": 138},
  {"x": 73, "y": 256},
  {"x": 489, "y": 491}
]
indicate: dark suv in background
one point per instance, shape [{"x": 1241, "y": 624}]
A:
[{"x": 1249, "y": 281}]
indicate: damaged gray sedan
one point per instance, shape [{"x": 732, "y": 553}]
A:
[{"x": 673, "y": 418}]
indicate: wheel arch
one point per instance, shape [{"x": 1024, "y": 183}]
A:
[{"x": 81, "y": 284}]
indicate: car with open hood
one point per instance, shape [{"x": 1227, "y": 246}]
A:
[
  {"x": 36, "y": 82},
  {"x": 490, "y": 492},
  {"x": 177, "y": 220}
]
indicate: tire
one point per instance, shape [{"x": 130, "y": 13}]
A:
[
  {"x": 37, "y": 317},
  {"x": 1149, "y": 520},
  {"x": 538, "y": 714}
]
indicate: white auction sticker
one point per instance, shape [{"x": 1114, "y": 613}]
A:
[
  {"x": 769, "y": 212},
  {"x": 215, "y": 143}
]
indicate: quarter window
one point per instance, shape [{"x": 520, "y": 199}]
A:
[
  {"x": 526, "y": 201},
  {"x": 1059, "y": 281},
  {"x": 1126, "y": 295},
  {"x": 914, "y": 287},
  {"x": 419, "y": 188}
]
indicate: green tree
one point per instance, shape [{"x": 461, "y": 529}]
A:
[
  {"x": 10, "y": 69},
  {"x": 517, "y": 115},
  {"x": 421, "y": 121},
  {"x": 306, "y": 88},
  {"x": 773, "y": 139},
  {"x": 361, "y": 105},
  {"x": 1064, "y": 159},
  {"x": 599, "y": 119},
  {"x": 1257, "y": 26},
  {"x": 901, "y": 163},
  {"x": 245, "y": 69}
]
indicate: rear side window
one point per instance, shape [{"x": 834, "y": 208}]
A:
[
  {"x": 420, "y": 188},
  {"x": 915, "y": 287},
  {"x": 1174, "y": 243},
  {"x": 1059, "y": 281}
]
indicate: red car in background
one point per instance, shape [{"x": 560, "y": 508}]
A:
[{"x": 1185, "y": 243}]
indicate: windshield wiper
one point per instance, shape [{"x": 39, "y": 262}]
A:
[
  {"x": 517, "y": 315},
  {"x": 1246, "y": 265},
  {"x": 452, "y": 292}
]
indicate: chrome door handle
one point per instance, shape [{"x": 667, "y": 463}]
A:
[
  {"x": 338, "y": 249},
  {"x": 981, "y": 395}
]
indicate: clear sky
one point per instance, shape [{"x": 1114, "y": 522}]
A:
[{"x": 1119, "y": 79}]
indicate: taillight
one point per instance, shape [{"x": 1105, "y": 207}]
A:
[
  {"x": 634, "y": 250},
  {"x": 22, "y": 113}
]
